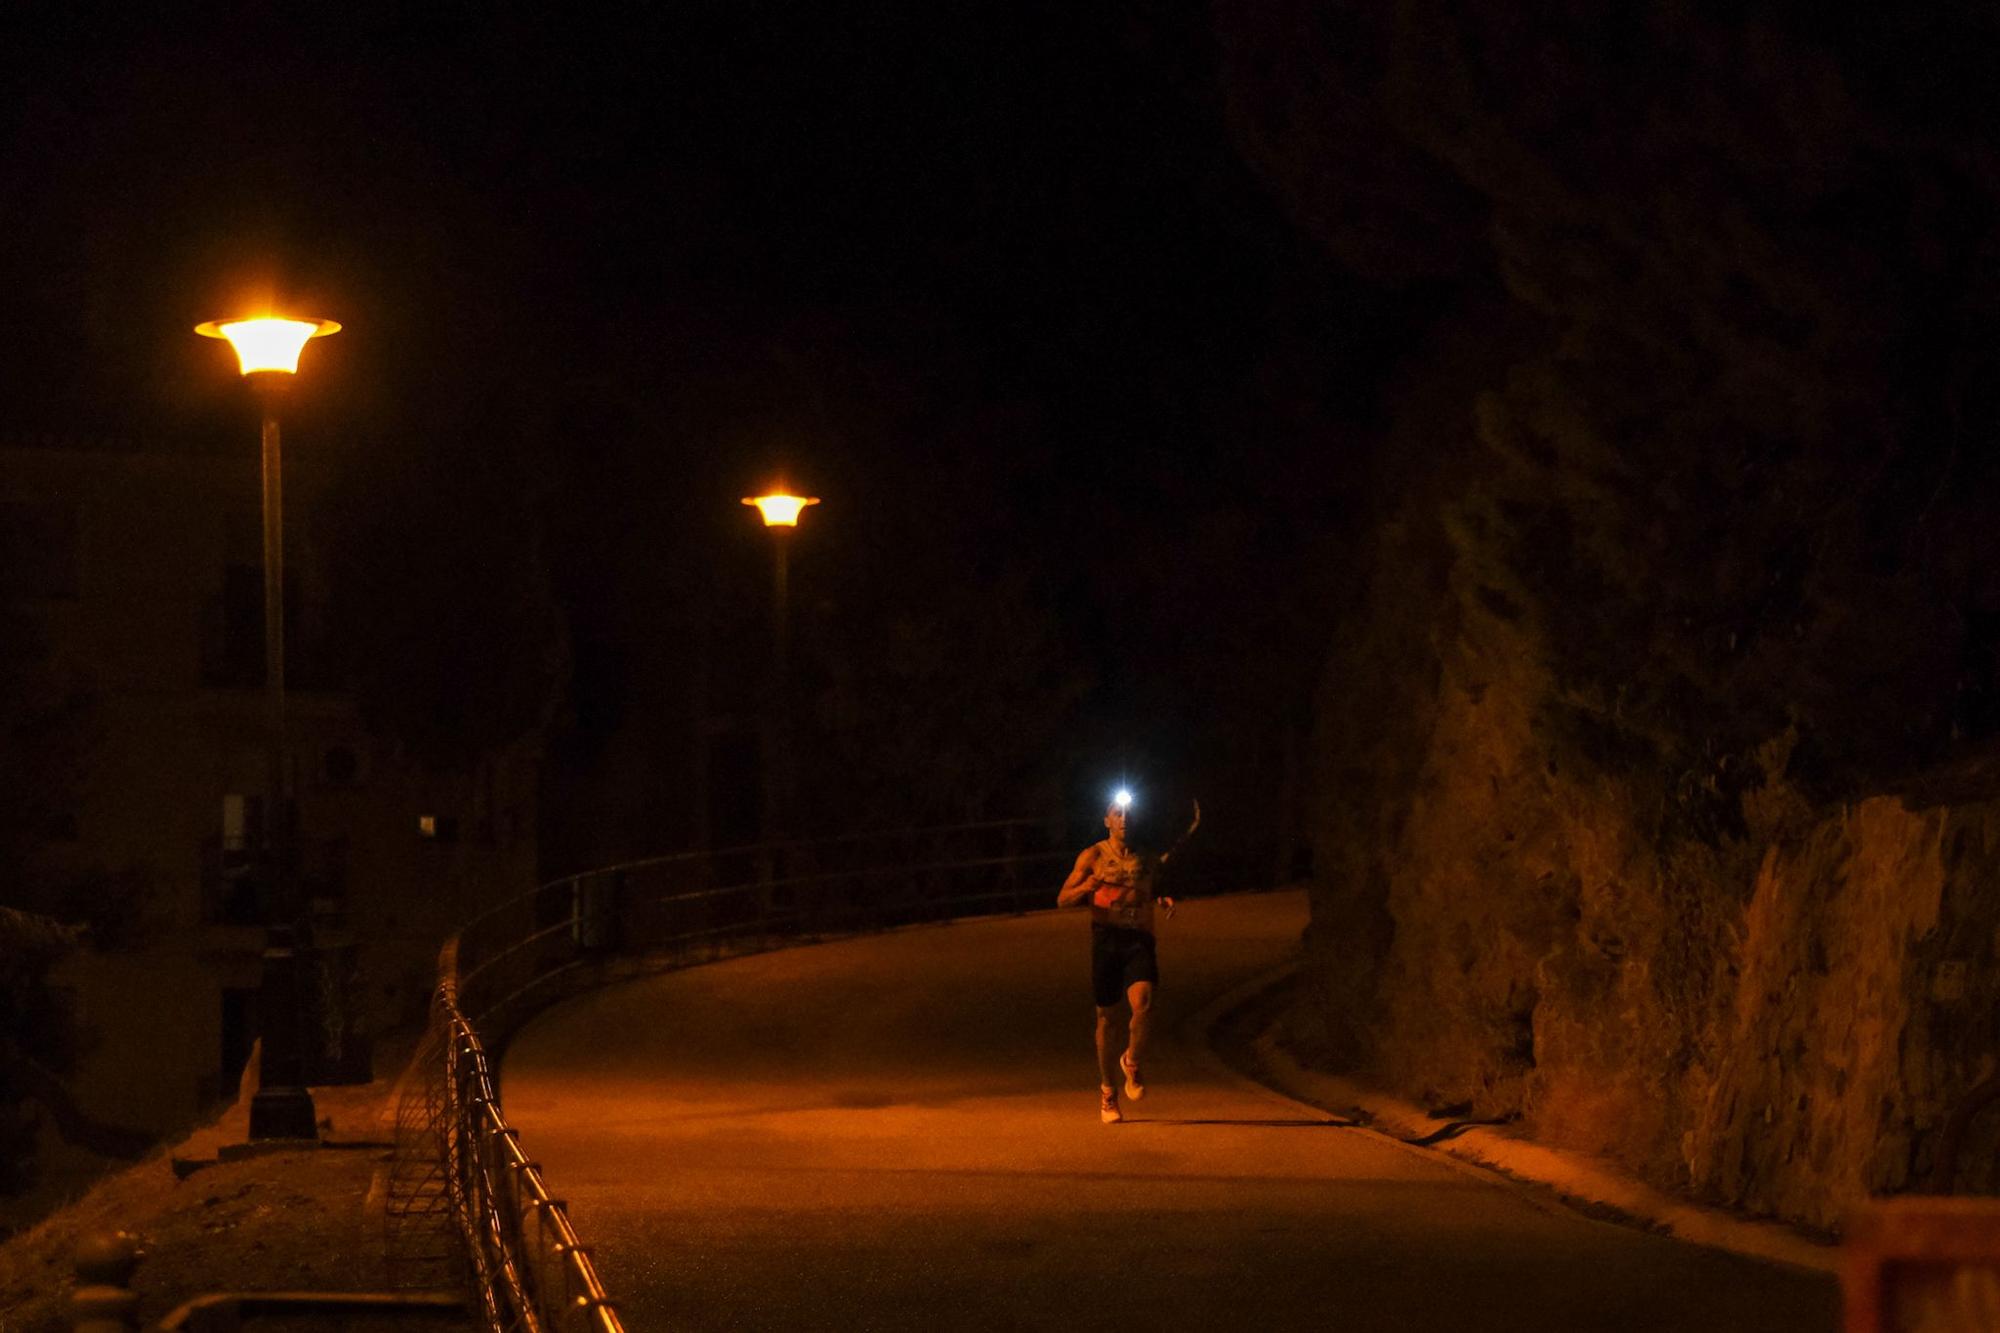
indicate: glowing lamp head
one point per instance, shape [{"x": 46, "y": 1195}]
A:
[
  {"x": 781, "y": 511},
  {"x": 1122, "y": 801},
  {"x": 267, "y": 344}
]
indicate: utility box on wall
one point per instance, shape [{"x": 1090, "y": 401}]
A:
[{"x": 1922, "y": 1262}]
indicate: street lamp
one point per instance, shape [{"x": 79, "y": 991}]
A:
[
  {"x": 267, "y": 351},
  {"x": 780, "y": 512}
]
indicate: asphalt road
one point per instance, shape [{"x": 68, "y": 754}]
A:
[{"x": 901, "y": 1132}]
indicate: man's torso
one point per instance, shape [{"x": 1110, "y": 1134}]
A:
[{"x": 1121, "y": 890}]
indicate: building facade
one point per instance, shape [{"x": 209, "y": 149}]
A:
[{"x": 131, "y": 583}]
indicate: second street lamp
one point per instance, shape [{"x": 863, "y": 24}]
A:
[
  {"x": 267, "y": 351},
  {"x": 780, "y": 512}
]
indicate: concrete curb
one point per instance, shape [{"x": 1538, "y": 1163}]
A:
[{"x": 1584, "y": 1184}]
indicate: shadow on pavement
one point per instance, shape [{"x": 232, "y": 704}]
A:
[{"x": 1261, "y": 1124}]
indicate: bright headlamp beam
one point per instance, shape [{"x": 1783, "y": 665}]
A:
[{"x": 1123, "y": 800}]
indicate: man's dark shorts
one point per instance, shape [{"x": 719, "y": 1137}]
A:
[{"x": 1119, "y": 956}]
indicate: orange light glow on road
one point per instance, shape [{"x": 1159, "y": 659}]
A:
[
  {"x": 780, "y": 511},
  {"x": 268, "y": 344}
]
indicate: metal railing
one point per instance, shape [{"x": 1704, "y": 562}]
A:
[{"x": 465, "y": 1202}]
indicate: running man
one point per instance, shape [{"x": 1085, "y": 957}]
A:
[{"x": 1124, "y": 967}]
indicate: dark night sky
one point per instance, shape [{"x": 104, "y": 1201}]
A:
[
  {"x": 625, "y": 269},
  {"x": 1100, "y": 330},
  {"x": 1031, "y": 201}
]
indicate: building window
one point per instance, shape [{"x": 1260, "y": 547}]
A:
[
  {"x": 438, "y": 828},
  {"x": 233, "y": 646},
  {"x": 38, "y": 549},
  {"x": 242, "y": 823},
  {"x": 232, "y": 649},
  {"x": 340, "y": 766},
  {"x": 24, "y": 638},
  {"x": 228, "y": 863},
  {"x": 323, "y": 877}
]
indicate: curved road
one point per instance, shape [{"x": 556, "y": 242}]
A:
[{"x": 900, "y": 1132}]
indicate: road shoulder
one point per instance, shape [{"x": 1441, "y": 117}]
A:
[{"x": 1240, "y": 1031}]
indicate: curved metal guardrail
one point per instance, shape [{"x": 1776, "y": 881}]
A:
[{"x": 465, "y": 1202}]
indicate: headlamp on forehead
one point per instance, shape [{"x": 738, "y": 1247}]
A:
[{"x": 1122, "y": 801}]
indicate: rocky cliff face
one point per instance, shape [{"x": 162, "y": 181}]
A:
[
  {"x": 1660, "y": 745},
  {"x": 1736, "y": 992}
]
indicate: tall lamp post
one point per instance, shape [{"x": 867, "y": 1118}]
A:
[
  {"x": 267, "y": 350},
  {"x": 780, "y": 512}
]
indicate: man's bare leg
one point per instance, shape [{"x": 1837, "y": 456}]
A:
[
  {"x": 1107, "y": 1048},
  {"x": 1140, "y": 996},
  {"x": 1107, "y": 1064}
]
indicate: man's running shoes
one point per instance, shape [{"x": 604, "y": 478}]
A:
[{"x": 1135, "y": 1086}]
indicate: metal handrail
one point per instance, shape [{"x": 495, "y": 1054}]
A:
[
  {"x": 461, "y": 1175},
  {"x": 832, "y": 840},
  {"x": 494, "y": 1185}
]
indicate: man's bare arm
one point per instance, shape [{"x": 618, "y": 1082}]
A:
[{"x": 1078, "y": 886}]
